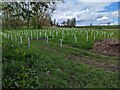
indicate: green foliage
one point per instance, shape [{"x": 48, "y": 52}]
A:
[
  {"x": 17, "y": 14},
  {"x": 70, "y": 22},
  {"x": 12, "y": 23},
  {"x": 47, "y": 66}
]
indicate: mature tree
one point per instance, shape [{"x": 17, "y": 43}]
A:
[
  {"x": 68, "y": 22},
  {"x": 108, "y": 23},
  {"x": 90, "y": 24},
  {"x": 54, "y": 21},
  {"x": 72, "y": 22},
  {"x": 16, "y": 14},
  {"x": 57, "y": 24},
  {"x": 50, "y": 21}
]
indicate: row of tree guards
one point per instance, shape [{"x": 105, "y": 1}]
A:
[
  {"x": 47, "y": 39},
  {"x": 39, "y": 34},
  {"x": 29, "y": 39},
  {"x": 37, "y": 39}
]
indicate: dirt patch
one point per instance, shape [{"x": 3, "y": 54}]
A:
[
  {"x": 47, "y": 48},
  {"x": 41, "y": 39},
  {"x": 89, "y": 61},
  {"x": 76, "y": 46},
  {"x": 107, "y": 46},
  {"x": 94, "y": 63}
]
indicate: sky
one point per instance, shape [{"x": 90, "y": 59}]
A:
[{"x": 97, "y": 12}]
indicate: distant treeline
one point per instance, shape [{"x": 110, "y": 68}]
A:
[{"x": 98, "y": 27}]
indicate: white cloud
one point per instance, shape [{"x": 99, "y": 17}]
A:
[
  {"x": 114, "y": 14},
  {"x": 91, "y": 0},
  {"x": 98, "y": 0},
  {"x": 114, "y": 23},
  {"x": 84, "y": 11},
  {"x": 104, "y": 18}
]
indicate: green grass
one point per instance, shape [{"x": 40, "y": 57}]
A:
[{"x": 46, "y": 65}]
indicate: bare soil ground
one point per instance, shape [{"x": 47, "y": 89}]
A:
[
  {"x": 96, "y": 64},
  {"x": 89, "y": 61},
  {"x": 107, "y": 46},
  {"x": 41, "y": 39}
]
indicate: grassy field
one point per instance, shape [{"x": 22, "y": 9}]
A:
[{"x": 50, "y": 63}]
